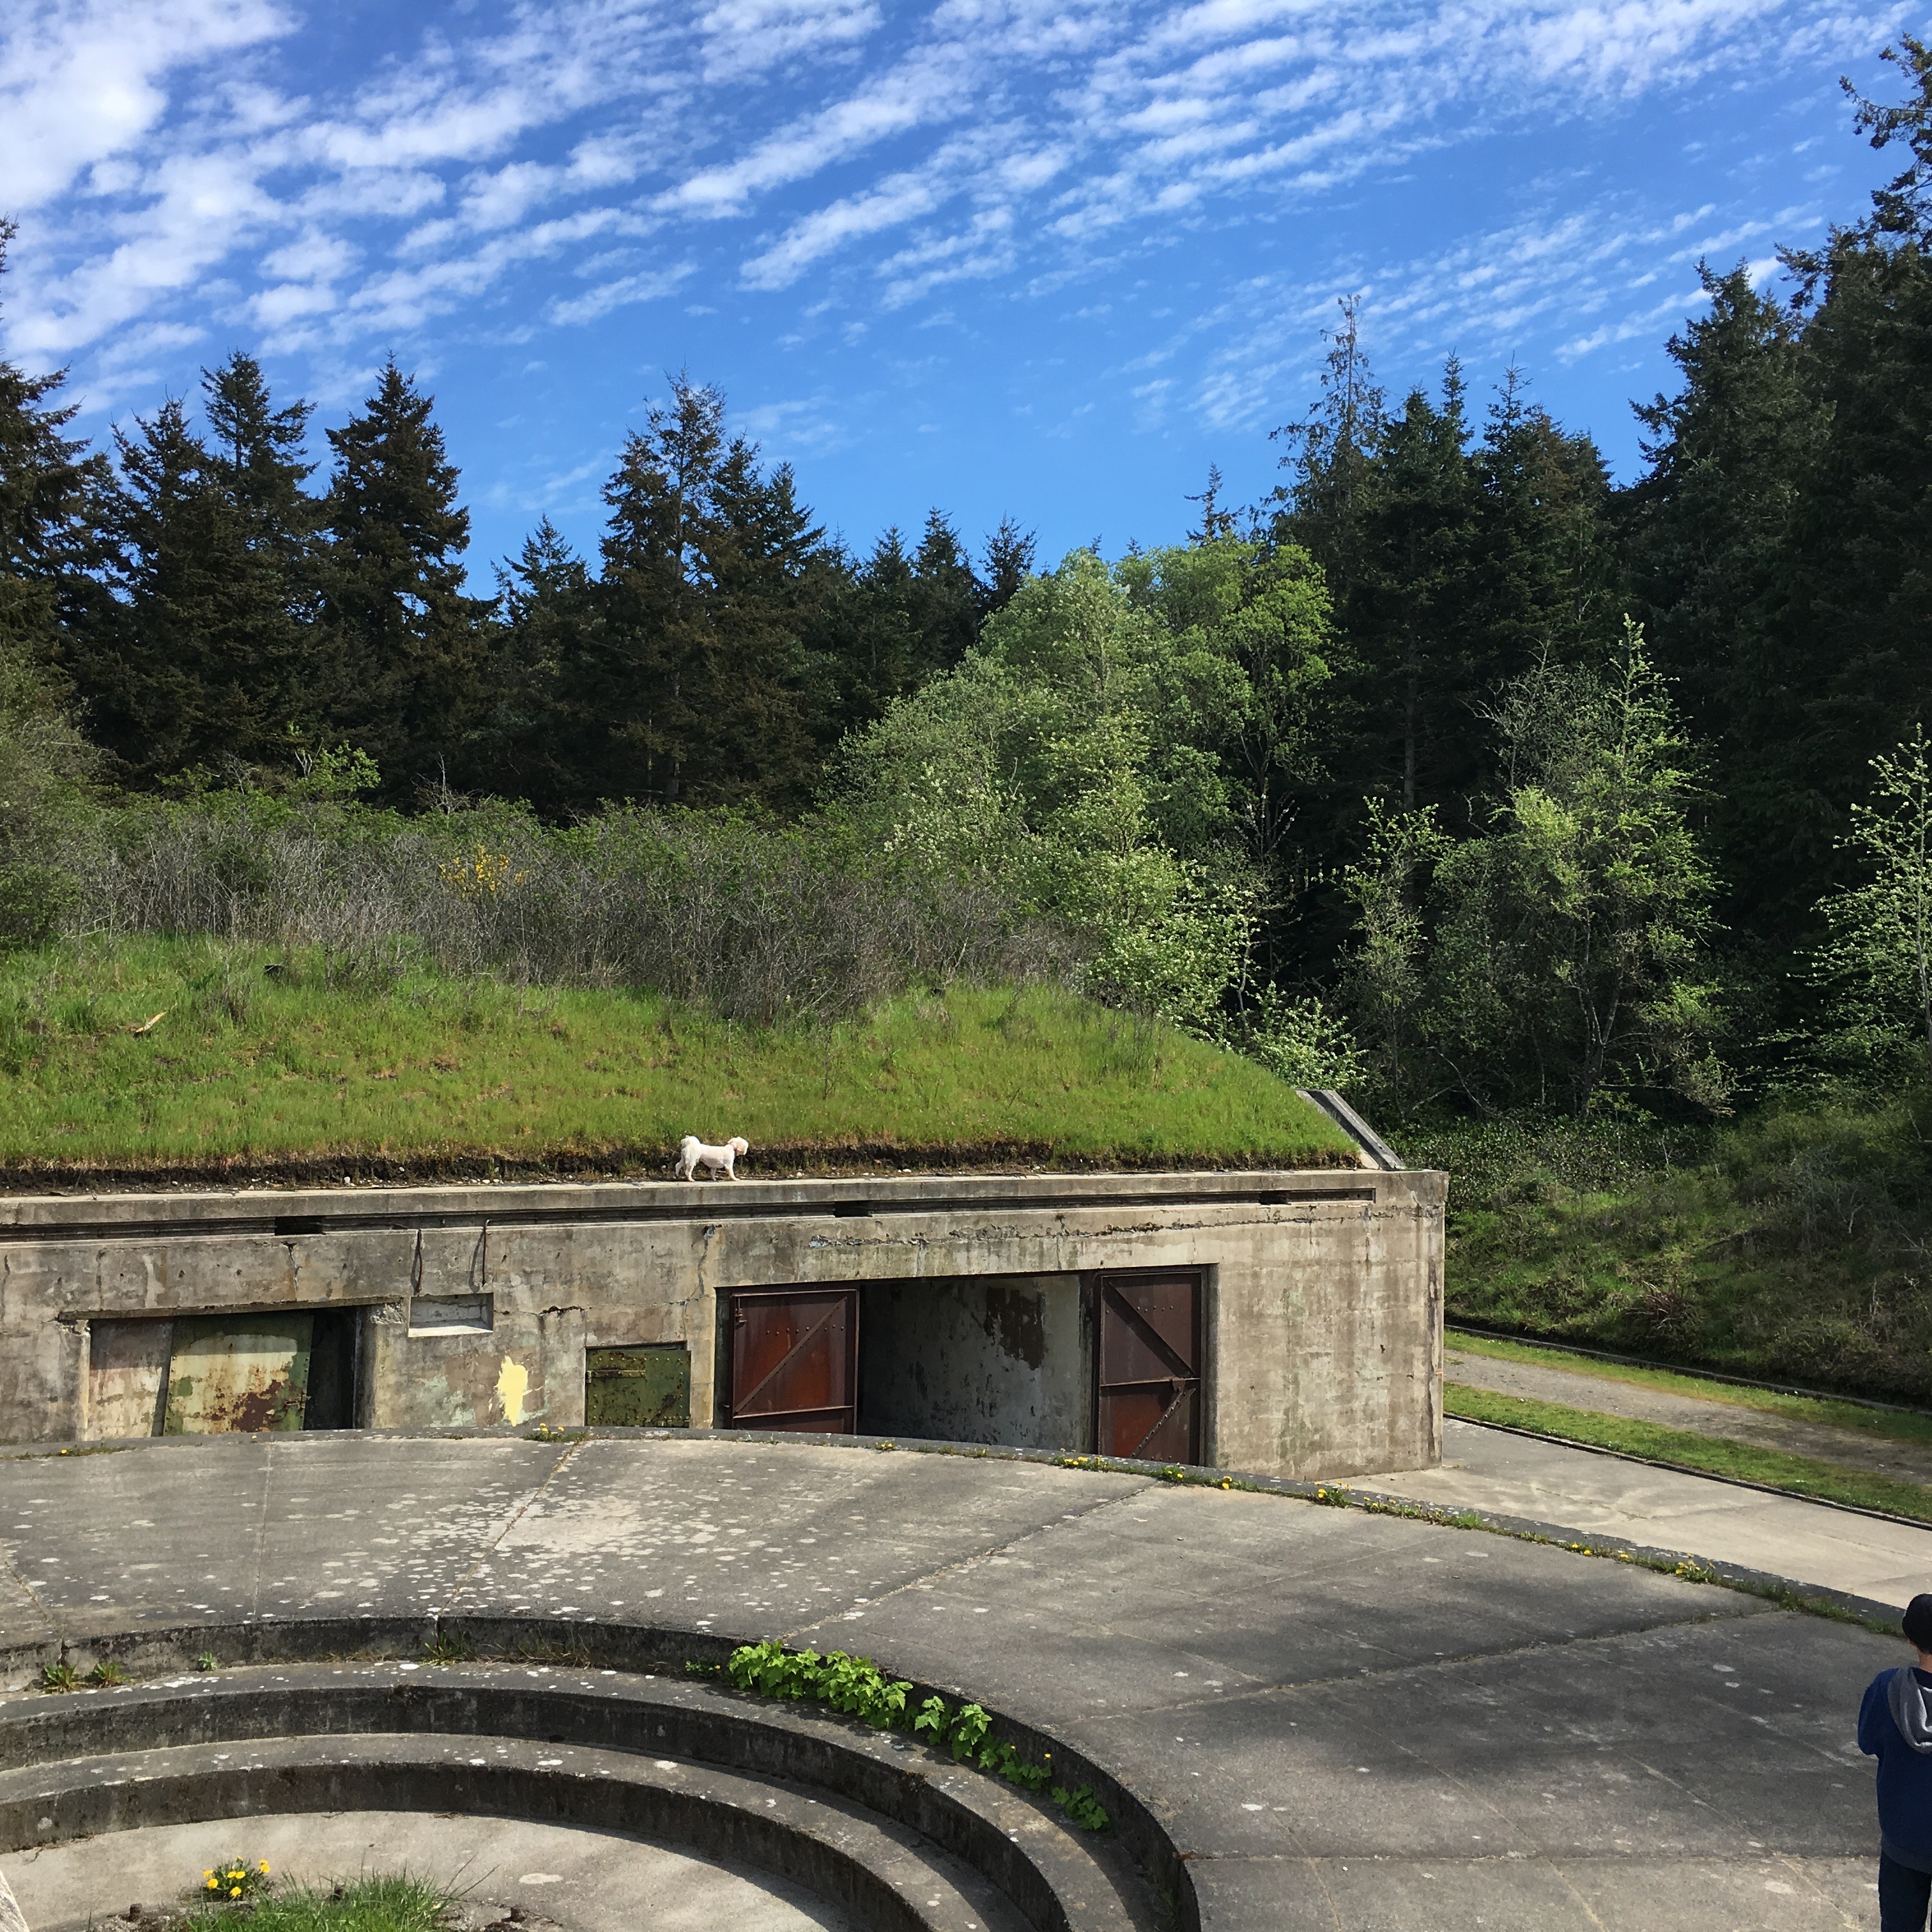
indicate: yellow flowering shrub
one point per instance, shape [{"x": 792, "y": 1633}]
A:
[{"x": 480, "y": 873}]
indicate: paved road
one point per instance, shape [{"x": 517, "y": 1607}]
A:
[
  {"x": 1348, "y": 1722},
  {"x": 1849, "y": 1448},
  {"x": 1606, "y": 1495}
]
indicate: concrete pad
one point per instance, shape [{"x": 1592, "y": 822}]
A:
[
  {"x": 761, "y": 1537},
  {"x": 1605, "y": 1495},
  {"x": 1390, "y": 1895},
  {"x": 295, "y": 1525},
  {"x": 1320, "y": 1704},
  {"x": 592, "y": 1881}
]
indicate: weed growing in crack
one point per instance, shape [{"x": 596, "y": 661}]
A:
[{"x": 857, "y": 1686}]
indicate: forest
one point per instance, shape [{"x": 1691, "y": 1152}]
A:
[{"x": 1581, "y": 831}]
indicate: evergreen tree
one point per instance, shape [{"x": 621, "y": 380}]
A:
[
  {"x": 406, "y": 645},
  {"x": 50, "y": 492},
  {"x": 1009, "y": 563},
  {"x": 1709, "y": 529},
  {"x": 1413, "y": 672},
  {"x": 714, "y": 578},
  {"x": 948, "y": 597},
  {"x": 547, "y": 647},
  {"x": 1325, "y": 505},
  {"x": 156, "y": 695}
]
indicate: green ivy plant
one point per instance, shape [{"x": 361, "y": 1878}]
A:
[{"x": 857, "y": 1686}]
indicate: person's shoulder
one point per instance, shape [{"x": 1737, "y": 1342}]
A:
[{"x": 1877, "y": 1687}]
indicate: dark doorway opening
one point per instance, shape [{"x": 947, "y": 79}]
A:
[
  {"x": 793, "y": 1359},
  {"x": 1147, "y": 1400},
  {"x": 334, "y": 1348}
]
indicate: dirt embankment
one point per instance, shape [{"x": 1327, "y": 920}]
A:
[{"x": 779, "y": 1162}]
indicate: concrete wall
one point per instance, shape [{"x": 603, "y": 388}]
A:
[
  {"x": 1000, "y": 1358},
  {"x": 1324, "y": 1310}
]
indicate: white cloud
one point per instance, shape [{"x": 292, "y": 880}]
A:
[
  {"x": 81, "y": 83},
  {"x": 178, "y": 166}
]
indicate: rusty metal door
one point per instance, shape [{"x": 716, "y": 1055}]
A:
[
  {"x": 1147, "y": 1366},
  {"x": 643, "y": 1386},
  {"x": 237, "y": 1372},
  {"x": 794, "y": 1355}
]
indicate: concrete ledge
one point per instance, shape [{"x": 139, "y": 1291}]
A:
[
  {"x": 109, "y": 1760},
  {"x": 297, "y": 1211}
]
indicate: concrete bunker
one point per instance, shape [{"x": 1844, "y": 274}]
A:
[{"x": 1282, "y": 1321}]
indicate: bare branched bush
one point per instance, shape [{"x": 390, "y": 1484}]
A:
[{"x": 762, "y": 925}]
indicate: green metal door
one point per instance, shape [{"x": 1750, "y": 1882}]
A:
[
  {"x": 647, "y": 1386},
  {"x": 237, "y": 1373}
]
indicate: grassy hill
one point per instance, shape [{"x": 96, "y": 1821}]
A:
[
  {"x": 1792, "y": 1243},
  {"x": 260, "y": 1065}
]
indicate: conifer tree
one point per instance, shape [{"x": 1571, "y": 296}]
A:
[
  {"x": 1009, "y": 563},
  {"x": 405, "y": 643},
  {"x": 50, "y": 492},
  {"x": 533, "y": 744},
  {"x": 713, "y": 576},
  {"x": 948, "y": 599}
]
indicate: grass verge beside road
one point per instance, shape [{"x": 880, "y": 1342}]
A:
[
  {"x": 257, "y": 1058},
  {"x": 1704, "y": 1455},
  {"x": 1893, "y": 1424}
]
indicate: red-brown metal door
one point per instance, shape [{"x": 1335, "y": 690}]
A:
[
  {"x": 1147, "y": 1396},
  {"x": 795, "y": 1360}
]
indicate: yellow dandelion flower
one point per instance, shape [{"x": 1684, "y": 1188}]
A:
[
  {"x": 213, "y": 1885},
  {"x": 235, "y": 1892},
  {"x": 265, "y": 1867},
  {"x": 209, "y": 1873}
]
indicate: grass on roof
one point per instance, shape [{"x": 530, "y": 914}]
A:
[{"x": 254, "y": 1059}]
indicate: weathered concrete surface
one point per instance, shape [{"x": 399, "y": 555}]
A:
[
  {"x": 1605, "y": 1495},
  {"x": 1323, "y": 1288},
  {"x": 989, "y": 1359},
  {"x": 591, "y": 1881},
  {"x": 1345, "y": 1721},
  {"x": 1603, "y": 1395}
]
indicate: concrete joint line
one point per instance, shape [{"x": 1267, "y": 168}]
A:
[
  {"x": 26, "y": 1590},
  {"x": 959, "y": 1565},
  {"x": 495, "y": 1544}
]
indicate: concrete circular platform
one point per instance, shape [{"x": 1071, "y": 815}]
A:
[
  {"x": 584, "y": 1881},
  {"x": 1342, "y": 1720}
]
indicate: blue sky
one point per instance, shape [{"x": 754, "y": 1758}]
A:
[{"x": 1046, "y": 258}]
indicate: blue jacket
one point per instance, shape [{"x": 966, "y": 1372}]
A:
[{"x": 1904, "y": 1775}]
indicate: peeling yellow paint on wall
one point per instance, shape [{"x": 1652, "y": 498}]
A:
[{"x": 513, "y": 1382}]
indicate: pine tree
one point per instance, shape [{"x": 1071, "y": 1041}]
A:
[
  {"x": 533, "y": 747},
  {"x": 406, "y": 645},
  {"x": 1009, "y": 563},
  {"x": 51, "y": 490},
  {"x": 948, "y": 597},
  {"x": 1710, "y": 526},
  {"x": 714, "y": 578}
]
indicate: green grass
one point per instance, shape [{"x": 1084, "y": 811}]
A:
[
  {"x": 1895, "y": 1426},
  {"x": 1709, "y": 1454},
  {"x": 1794, "y": 1243},
  {"x": 249, "y": 1066},
  {"x": 396, "y": 1902}
]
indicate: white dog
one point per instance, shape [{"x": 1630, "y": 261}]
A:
[{"x": 692, "y": 1154}]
